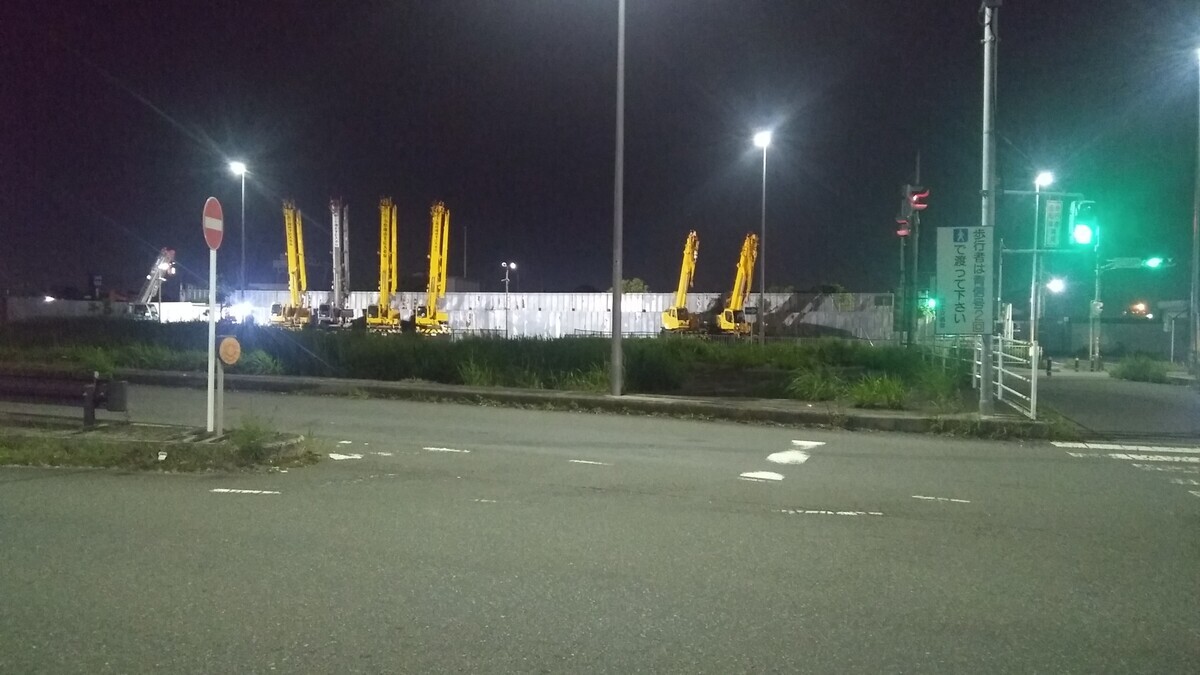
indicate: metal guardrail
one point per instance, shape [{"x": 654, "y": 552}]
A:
[
  {"x": 48, "y": 389},
  {"x": 1014, "y": 368}
]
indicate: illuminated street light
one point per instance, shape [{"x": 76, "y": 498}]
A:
[
  {"x": 1154, "y": 263},
  {"x": 239, "y": 169},
  {"x": 1056, "y": 285},
  {"x": 1043, "y": 179},
  {"x": 762, "y": 139}
]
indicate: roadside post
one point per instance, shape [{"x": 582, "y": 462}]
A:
[
  {"x": 213, "y": 223},
  {"x": 230, "y": 351}
]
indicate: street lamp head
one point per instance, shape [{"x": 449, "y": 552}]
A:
[
  {"x": 238, "y": 168},
  {"x": 509, "y": 265},
  {"x": 1056, "y": 285},
  {"x": 1044, "y": 179},
  {"x": 762, "y": 139}
]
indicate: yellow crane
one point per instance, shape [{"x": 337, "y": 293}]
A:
[
  {"x": 429, "y": 319},
  {"x": 732, "y": 319},
  {"x": 677, "y": 319},
  {"x": 296, "y": 313},
  {"x": 382, "y": 316}
]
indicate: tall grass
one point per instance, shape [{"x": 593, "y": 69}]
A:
[{"x": 818, "y": 369}]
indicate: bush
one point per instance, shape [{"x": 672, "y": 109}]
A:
[
  {"x": 815, "y": 385},
  {"x": 878, "y": 392},
  {"x": 250, "y": 440},
  {"x": 1141, "y": 368},
  {"x": 258, "y": 362}
]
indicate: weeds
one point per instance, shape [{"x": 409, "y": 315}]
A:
[
  {"x": 815, "y": 385},
  {"x": 878, "y": 392},
  {"x": 1140, "y": 368}
]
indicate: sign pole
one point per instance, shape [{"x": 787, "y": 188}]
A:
[
  {"x": 212, "y": 339},
  {"x": 213, "y": 224}
]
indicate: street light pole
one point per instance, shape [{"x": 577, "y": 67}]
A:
[
  {"x": 1194, "y": 304},
  {"x": 508, "y": 266},
  {"x": 762, "y": 139},
  {"x": 616, "y": 367},
  {"x": 1044, "y": 179},
  {"x": 239, "y": 169}
]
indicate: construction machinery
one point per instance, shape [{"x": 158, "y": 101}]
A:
[
  {"x": 295, "y": 313},
  {"x": 677, "y": 319},
  {"x": 335, "y": 312},
  {"x": 382, "y": 316},
  {"x": 163, "y": 267},
  {"x": 429, "y": 320},
  {"x": 732, "y": 319}
]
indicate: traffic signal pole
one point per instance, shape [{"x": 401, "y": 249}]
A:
[{"x": 988, "y": 195}]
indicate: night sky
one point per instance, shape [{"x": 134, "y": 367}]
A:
[{"x": 118, "y": 119}]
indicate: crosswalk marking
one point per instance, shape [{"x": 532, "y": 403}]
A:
[
  {"x": 1127, "y": 448},
  {"x": 1139, "y": 458}
]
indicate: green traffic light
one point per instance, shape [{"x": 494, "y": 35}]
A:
[
  {"x": 1082, "y": 234},
  {"x": 1153, "y": 263},
  {"x": 930, "y": 303}
]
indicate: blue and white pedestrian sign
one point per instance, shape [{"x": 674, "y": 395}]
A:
[{"x": 965, "y": 300}]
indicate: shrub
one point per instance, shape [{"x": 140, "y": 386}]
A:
[
  {"x": 258, "y": 362},
  {"x": 815, "y": 385},
  {"x": 250, "y": 439},
  {"x": 1140, "y": 368},
  {"x": 878, "y": 392}
]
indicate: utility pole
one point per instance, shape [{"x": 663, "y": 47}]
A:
[
  {"x": 1194, "y": 304},
  {"x": 616, "y": 366},
  {"x": 989, "y": 10},
  {"x": 911, "y": 293}
]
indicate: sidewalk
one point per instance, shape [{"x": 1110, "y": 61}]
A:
[
  {"x": 1110, "y": 408},
  {"x": 777, "y": 411}
]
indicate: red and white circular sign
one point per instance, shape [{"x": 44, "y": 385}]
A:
[{"x": 214, "y": 223}]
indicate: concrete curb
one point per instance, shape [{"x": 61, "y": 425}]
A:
[{"x": 738, "y": 410}]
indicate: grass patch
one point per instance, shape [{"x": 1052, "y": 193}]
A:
[
  {"x": 1140, "y": 369},
  {"x": 878, "y": 392},
  {"x": 815, "y": 385},
  {"x": 251, "y": 446}
]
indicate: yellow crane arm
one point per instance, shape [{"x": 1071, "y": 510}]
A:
[
  {"x": 439, "y": 240},
  {"x": 745, "y": 273},
  {"x": 301, "y": 268},
  {"x": 388, "y": 266},
  {"x": 289, "y": 229},
  {"x": 691, "y": 251}
]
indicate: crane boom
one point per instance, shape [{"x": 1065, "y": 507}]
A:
[
  {"x": 296, "y": 312},
  {"x": 158, "y": 272},
  {"x": 381, "y": 315},
  {"x": 732, "y": 318},
  {"x": 429, "y": 319},
  {"x": 676, "y": 318}
]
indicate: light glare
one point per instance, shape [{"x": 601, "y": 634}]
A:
[
  {"x": 238, "y": 168},
  {"x": 1044, "y": 179},
  {"x": 762, "y": 139},
  {"x": 1056, "y": 285}
]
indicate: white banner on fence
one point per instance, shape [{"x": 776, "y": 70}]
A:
[{"x": 964, "y": 281}]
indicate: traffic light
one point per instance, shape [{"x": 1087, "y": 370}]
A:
[
  {"x": 1084, "y": 224},
  {"x": 914, "y": 196}
]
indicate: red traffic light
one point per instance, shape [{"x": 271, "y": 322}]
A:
[
  {"x": 916, "y": 196},
  {"x": 902, "y": 228}
]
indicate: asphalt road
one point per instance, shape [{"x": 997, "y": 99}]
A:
[
  {"x": 529, "y": 541},
  {"x": 1113, "y": 408}
]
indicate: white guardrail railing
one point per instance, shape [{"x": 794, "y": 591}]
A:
[{"x": 1014, "y": 367}]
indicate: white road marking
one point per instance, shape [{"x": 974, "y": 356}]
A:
[
  {"x": 588, "y": 461},
  {"x": 762, "y": 475},
  {"x": 751, "y": 480},
  {"x": 382, "y": 454},
  {"x": 1155, "y": 458},
  {"x": 161, "y": 455},
  {"x": 446, "y": 450},
  {"x": 823, "y": 512},
  {"x": 337, "y": 456},
  {"x": 243, "y": 492},
  {"x": 345, "y": 442},
  {"x": 807, "y": 445},
  {"x": 1194, "y": 493},
  {"x": 485, "y": 501},
  {"x": 788, "y": 457},
  {"x": 1127, "y": 448},
  {"x": 1172, "y": 469},
  {"x": 1185, "y": 481},
  {"x": 1141, "y": 458},
  {"x": 942, "y": 499}
]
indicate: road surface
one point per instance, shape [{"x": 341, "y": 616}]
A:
[{"x": 453, "y": 538}]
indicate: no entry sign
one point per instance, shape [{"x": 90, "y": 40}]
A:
[{"x": 214, "y": 223}]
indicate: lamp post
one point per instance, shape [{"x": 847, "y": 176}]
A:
[
  {"x": 616, "y": 366},
  {"x": 1044, "y": 179},
  {"x": 1194, "y": 304},
  {"x": 164, "y": 269},
  {"x": 508, "y": 267},
  {"x": 239, "y": 169},
  {"x": 762, "y": 140}
]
